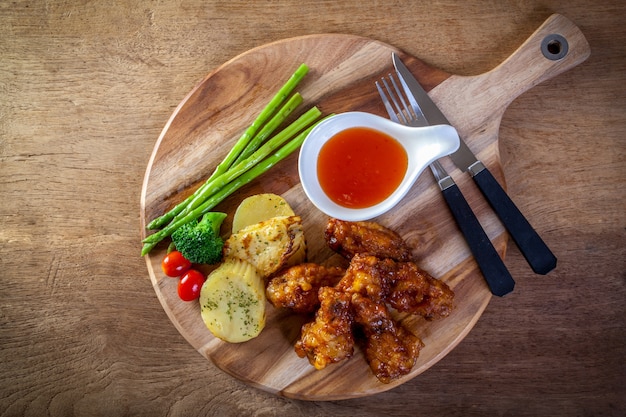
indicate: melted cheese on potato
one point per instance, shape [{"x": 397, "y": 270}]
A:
[{"x": 268, "y": 245}]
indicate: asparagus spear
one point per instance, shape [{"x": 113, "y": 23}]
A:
[
  {"x": 270, "y": 127},
  {"x": 205, "y": 188},
  {"x": 152, "y": 240},
  {"x": 242, "y": 143},
  {"x": 220, "y": 181},
  {"x": 266, "y": 113}
]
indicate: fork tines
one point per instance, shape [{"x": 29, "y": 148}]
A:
[{"x": 403, "y": 112}]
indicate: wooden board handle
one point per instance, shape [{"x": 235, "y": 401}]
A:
[{"x": 555, "y": 47}]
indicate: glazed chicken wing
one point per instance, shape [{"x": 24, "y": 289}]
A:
[
  {"x": 349, "y": 238},
  {"x": 390, "y": 349},
  {"x": 403, "y": 285},
  {"x": 297, "y": 287},
  {"x": 414, "y": 291},
  {"x": 365, "y": 276},
  {"x": 328, "y": 339}
]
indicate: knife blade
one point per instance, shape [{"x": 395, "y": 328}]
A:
[{"x": 533, "y": 248}]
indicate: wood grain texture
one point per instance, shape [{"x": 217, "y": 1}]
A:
[
  {"x": 85, "y": 89},
  {"x": 342, "y": 73}
]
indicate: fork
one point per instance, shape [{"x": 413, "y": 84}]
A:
[{"x": 496, "y": 274}]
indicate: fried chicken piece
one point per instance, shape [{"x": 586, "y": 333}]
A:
[
  {"x": 413, "y": 290},
  {"x": 349, "y": 238},
  {"x": 328, "y": 339},
  {"x": 297, "y": 287},
  {"x": 403, "y": 285},
  {"x": 366, "y": 277},
  {"x": 390, "y": 349}
]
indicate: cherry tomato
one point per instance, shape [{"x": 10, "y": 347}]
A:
[
  {"x": 174, "y": 264},
  {"x": 190, "y": 285}
]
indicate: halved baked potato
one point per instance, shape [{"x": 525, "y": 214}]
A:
[
  {"x": 260, "y": 207},
  {"x": 232, "y": 301}
]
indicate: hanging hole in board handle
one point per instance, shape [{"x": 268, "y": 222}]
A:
[{"x": 554, "y": 47}]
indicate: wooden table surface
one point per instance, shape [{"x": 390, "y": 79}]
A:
[{"x": 85, "y": 90}]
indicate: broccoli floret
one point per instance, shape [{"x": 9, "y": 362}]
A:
[{"x": 200, "y": 242}]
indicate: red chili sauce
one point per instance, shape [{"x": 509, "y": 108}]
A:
[{"x": 360, "y": 167}]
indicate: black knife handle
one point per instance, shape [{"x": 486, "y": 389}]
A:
[
  {"x": 539, "y": 256},
  {"x": 496, "y": 274}
]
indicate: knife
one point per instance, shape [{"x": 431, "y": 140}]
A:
[{"x": 533, "y": 248}]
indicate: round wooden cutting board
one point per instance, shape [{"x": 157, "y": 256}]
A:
[{"x": 343, "y": 70}]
